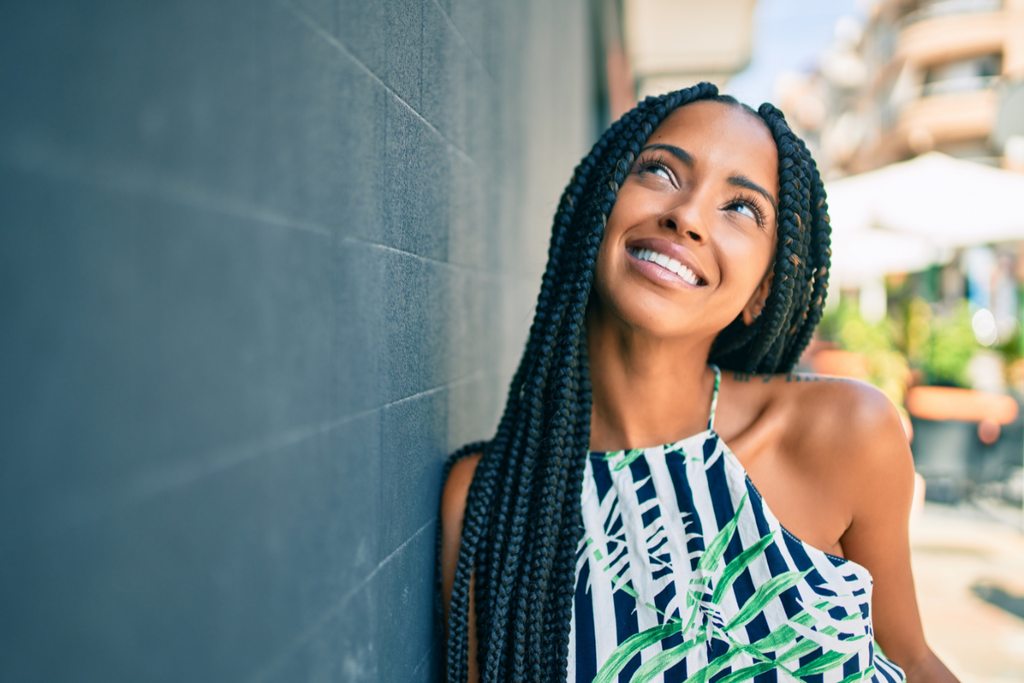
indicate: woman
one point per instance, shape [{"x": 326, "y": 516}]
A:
[{"x": 607, "y": 532}]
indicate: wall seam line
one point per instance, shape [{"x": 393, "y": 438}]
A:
[
  {"x": 422, "y": 661},
  {"x": 465, "y": 43},
  {"x": 148, "y": 486},
  {"x": 306, "y": 19},
  {"x": 308, "y": 633},
  {"x": 107, "y": 179},
  {"x": 155, "y": 188},
  {"x": 448, "y": 264}
]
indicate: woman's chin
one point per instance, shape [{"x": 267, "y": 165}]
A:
[{"x": 651, "y": 321}]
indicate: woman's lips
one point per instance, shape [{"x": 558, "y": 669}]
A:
[
  {"x": 661, "y": 267},
  {"x": 668, "y": 263},
  {"x": 659, "y": 274}
]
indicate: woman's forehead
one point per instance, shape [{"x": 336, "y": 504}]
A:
[{"x": 723, "y": 136}]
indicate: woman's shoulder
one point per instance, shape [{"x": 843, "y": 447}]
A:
[
  {"x": 453, "y": 511},
  {"x": 837, "y": 411},
  {"x": 818, "y": 393},
  {"x": 846, "y": 426},
  {"x": 835, "y": 406},
  {"x": 838, "y": 423},
  {"x": 456, "y": 489}
]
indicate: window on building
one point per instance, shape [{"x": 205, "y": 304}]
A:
[{"x": 976, "y": 73}]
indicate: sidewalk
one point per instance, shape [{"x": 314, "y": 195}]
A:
[{"x": 969, "y": 571}]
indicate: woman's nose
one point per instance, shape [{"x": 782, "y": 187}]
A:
[{"x": 685, "y": 220}]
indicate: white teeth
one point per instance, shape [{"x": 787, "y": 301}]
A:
[{"x": 668, "y": 264}]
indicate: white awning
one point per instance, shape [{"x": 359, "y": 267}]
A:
[
  {"x": 862, "y": 255},
  {"x": 907, "y": 216}
]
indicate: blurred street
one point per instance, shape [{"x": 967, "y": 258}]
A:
[{"x": 970, "y": 586}]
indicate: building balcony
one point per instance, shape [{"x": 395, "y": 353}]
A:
[
  {"x": 947, "y": 115},
  {"x": 938, "y": 8},
  {"x": 930, "y": 36}
]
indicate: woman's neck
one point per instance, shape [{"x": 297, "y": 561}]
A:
[{"x": 646, "y": 391}]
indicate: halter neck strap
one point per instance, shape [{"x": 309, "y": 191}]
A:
[{"x": 714, "y": 395}]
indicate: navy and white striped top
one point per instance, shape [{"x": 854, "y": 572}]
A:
[{"x": 684, "y": 574}]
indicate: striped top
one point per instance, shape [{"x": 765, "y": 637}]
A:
[{"x": 684, "y": 574}]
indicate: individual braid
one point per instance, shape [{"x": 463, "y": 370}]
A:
[
  {"x": 821, "y": 253},
  {"x": 797, "y": 296},
  {"x": 522, "y": 522}
]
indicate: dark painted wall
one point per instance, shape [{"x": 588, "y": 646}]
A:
[{"x": 262, "y": 266}]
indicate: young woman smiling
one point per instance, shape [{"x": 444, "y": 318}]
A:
[{"x": 662, "y": 500}]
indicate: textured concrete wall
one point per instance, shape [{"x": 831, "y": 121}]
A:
[{"x": 262, "y": 265}]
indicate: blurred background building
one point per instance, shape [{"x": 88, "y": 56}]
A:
[
  {"x": 656, "y": 46},
  {"x": 676, "y": 43},
  {"x": 915, "y": 113},
  {"x": 263, "y": 265},
  {"x": 912, "y": 77}
]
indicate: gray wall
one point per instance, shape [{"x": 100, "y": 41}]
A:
[{"x": 262, "y": 266}]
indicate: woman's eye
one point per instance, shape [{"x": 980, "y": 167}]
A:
[
  {"x": 656, "y": 169},
  {"x": 745, "y": 210}
]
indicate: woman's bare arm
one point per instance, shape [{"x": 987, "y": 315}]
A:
[
  {"x": 453, "y": 508},
  {"x": 880, "y": 470}
]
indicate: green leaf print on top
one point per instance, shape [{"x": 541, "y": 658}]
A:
[
  {"x": 705, "y": 620},
  {"x": 631, "y": 455}
]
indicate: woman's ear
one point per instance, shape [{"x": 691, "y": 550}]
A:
[{"x": 758, "y": 299}]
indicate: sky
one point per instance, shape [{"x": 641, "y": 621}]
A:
[{"x": 788, "y": 36}]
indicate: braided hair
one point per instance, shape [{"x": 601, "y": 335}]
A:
[{"x": 522, "y": 518}]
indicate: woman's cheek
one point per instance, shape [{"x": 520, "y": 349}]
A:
[{"x": 752, "y": 256}]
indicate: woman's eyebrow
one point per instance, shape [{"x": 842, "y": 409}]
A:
[
  {"x": 744, "y": 181},
  {"x": 677, "y": 152}
]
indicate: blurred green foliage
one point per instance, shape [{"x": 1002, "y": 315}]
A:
[
  {"x": 887, "y": 366},
  {"x": 1011, "y": 349},
  {"x": 941, "y": 346}
]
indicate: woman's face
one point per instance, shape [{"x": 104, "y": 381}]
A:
[{"x": 691, "y": 237}]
